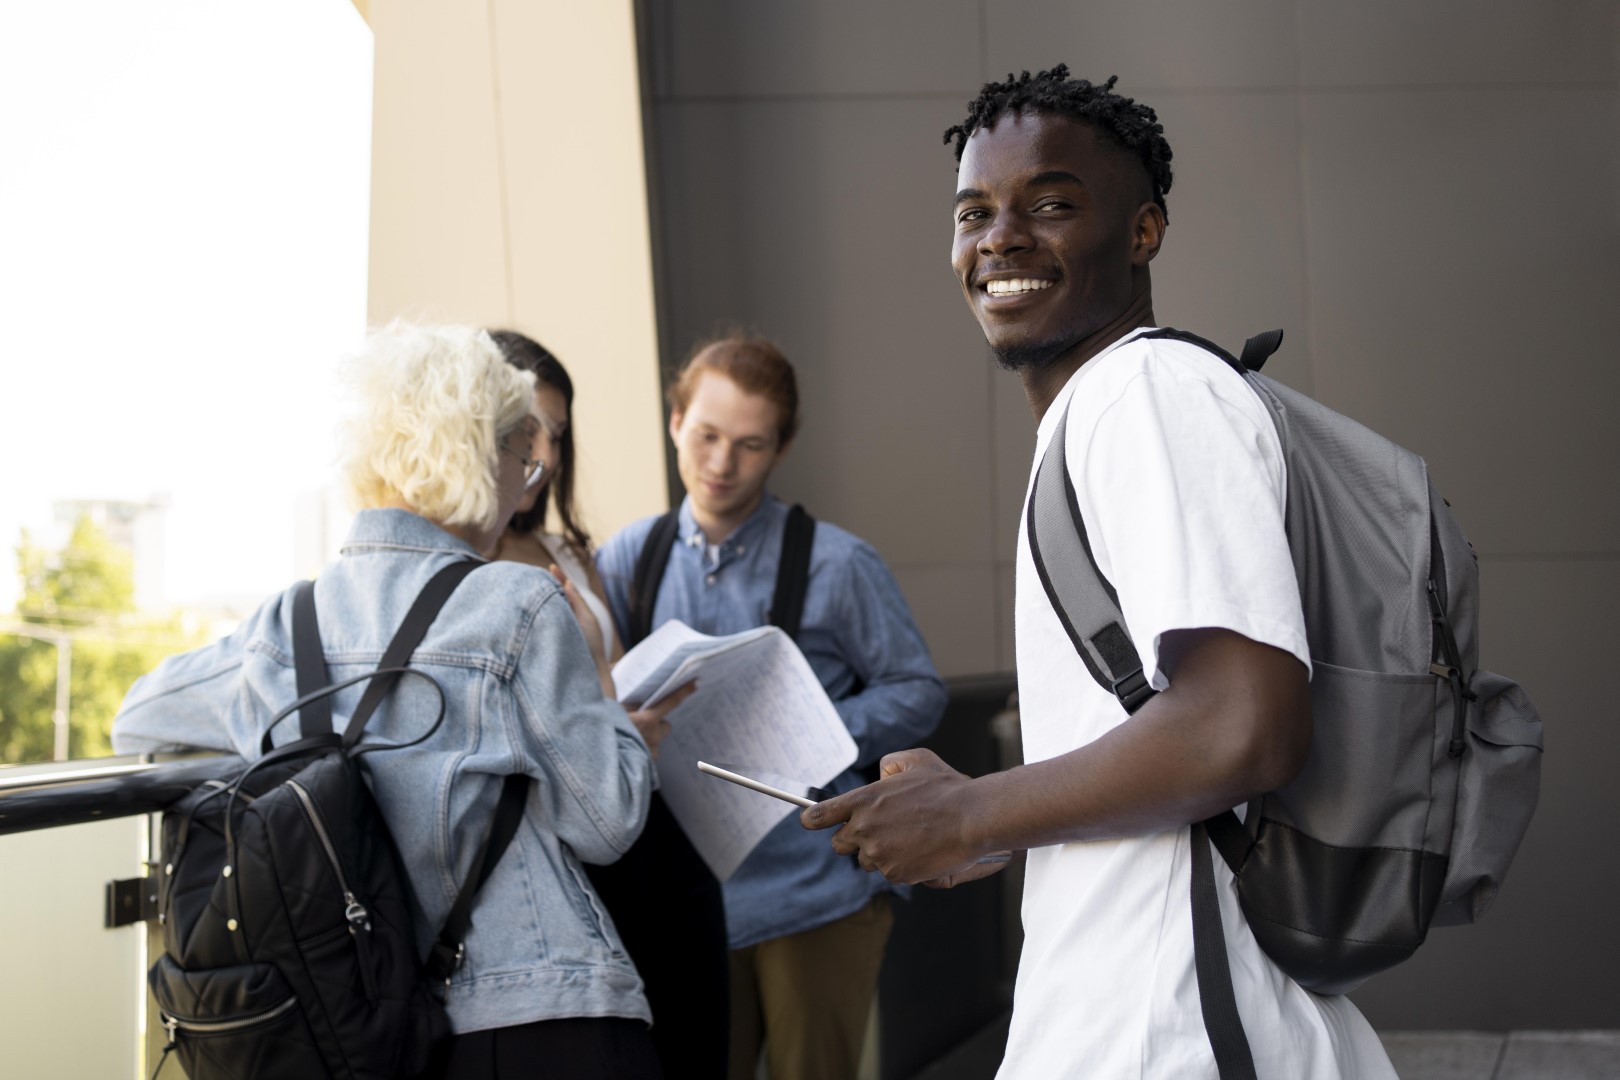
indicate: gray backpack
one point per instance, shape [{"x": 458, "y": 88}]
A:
[{"x": 1423, "y": 770}]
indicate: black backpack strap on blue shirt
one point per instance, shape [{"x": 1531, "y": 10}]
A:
[
  {"x": 649, "y": 577},
  {"x": 1088, "y": 608},
  {"x": 792, "y": 574}
]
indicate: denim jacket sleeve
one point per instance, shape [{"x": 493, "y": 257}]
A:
[
  {"x": 194, "y": 701},
  {"x": 595, "y": 771},
  {"x": 902, "y": 696}
]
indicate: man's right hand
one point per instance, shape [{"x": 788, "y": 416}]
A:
[{"x": 910, "y": 825}]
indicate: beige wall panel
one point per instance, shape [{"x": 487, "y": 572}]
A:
[
  {"x": 436, "y": 233},
  {"x": 581, "y": 265},
  {"x": 493, "y": 204}
]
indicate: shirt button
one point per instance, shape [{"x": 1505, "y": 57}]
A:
[
  {"x": 709, "y": 580},
  {"x": 741, "y": 550}
]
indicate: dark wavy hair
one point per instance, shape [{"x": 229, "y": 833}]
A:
[
  {"x": 527, "y": 354},
  {"x": 1130, "y": 125}
]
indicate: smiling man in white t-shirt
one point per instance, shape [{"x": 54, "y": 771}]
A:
[{"x": 1059, "y": 210}]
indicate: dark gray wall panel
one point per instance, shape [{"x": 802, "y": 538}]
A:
[
  {"x": 828, "y": 229},
  {"x": 1149, "y": 44},
  {"x": 1461, "y": 291},
  {"x": 1543, "y": 956},
  {"x": 1233, "y": 260},
  {"x": 1006, "y": 650},
  {"x": 1425, "y": 196},
  {"x": 1014, "y": 451},
  {"x": 955, "y": 608},
  {"x": 1437, "y": 42},
  {"x": 741, "y": 48}
]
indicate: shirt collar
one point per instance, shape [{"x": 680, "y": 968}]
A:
[
  {"x": 404, "y": 530},
  {"x": 769, "y": 508}
]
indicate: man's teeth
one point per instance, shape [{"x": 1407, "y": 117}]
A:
[{"x": 1015, "y": 285}]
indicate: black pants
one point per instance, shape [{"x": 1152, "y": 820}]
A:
[
  {"x": 669, "y": 912},
  {"x": 577, "y": 1048}
]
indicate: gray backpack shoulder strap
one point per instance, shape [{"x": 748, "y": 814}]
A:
[{"x": 1085, "y": 602}]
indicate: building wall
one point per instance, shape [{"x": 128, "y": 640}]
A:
[
  {"x": 1424, "y": 195},
  {"x": 509, "y": 189}
]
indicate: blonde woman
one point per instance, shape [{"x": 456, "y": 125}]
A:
[{"x": 442, "y": 446}]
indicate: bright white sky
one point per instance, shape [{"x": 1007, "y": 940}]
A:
[{"x": 183, "y": 213}]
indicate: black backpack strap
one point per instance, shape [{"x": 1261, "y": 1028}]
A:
[
  {"x": 649, "y": 576},
  {"x": 793, "y": 572},
  {"x": 448, "y": 950},
  {"x": 309, "y": 661},
  {"x": 409, "y": 635},
  {"x": 1258, "y": 348},
  {"x": 1216, "y": 997}
]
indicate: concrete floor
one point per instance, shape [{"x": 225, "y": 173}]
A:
[
  {"x": 1417, "y": 1055},
  {"x": 1493, "y": 1055}
]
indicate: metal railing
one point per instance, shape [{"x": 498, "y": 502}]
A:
[{"x": 923, "y": 1010}]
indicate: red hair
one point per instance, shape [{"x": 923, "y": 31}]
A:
[{"x": 756, "y": 365}]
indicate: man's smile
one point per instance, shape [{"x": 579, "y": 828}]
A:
[{"x": 1014, "y": 286}]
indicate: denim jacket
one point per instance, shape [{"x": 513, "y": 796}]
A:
[{"x": 522, "y": 696}]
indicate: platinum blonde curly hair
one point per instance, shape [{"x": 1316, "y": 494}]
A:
[{"x": 431, "y": 405}]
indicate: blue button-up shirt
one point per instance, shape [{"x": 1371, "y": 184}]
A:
[{"x": 861, "y": 642}]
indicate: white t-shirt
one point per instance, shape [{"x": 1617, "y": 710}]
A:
[
  {"x": 570, "y": 565},
  {"x": 1181, "y": 484}
]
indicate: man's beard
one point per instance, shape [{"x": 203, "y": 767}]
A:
[{"x": 1029, "y": 355}]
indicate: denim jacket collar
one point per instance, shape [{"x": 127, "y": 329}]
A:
[{"x": 401, "y": 530}]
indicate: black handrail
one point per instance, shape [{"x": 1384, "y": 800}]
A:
[{"x": 72, "y": 793}]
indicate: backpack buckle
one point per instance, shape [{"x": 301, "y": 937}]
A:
[
  {"x": 442, "y": 963},
  {"x": 459, "y": 959},
  {"x": 1133, "y": 690}
]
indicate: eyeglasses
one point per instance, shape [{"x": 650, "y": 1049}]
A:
[{"x": 534, "y": 470}]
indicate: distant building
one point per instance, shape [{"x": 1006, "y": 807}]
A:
[
  {"x": 322, "y": 521},
  {"x": 139, "y": 528}
]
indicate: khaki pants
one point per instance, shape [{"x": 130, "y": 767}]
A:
[{"x": 805, "y": 997}]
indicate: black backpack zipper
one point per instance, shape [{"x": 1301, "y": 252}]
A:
[{"x": 355, "y": 912}]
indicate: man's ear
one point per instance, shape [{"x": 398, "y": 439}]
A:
[
  {"x": 675, "y": 425},
  {"x": 1147, "y": 233},
  {"x": 782, "y": 451}
]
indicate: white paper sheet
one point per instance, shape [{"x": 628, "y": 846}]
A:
[{"x": 757, "y": 704}]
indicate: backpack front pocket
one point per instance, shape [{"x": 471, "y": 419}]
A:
[
  {"x": 1497, "y": 790},
  {"x": 242, "y": 1022}
]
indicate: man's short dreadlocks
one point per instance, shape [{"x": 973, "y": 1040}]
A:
[{"x": 1134, "y": 127}]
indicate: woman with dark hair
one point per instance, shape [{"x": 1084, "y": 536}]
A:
[{"x": 526, "y": 539}]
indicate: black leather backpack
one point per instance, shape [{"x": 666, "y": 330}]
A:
[{"x": 287, "y": 916}]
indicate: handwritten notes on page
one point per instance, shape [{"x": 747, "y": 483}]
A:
[{"x": 757, "y": 704}]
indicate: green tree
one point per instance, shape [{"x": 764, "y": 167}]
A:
[{"x": 84, "y": 592}]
